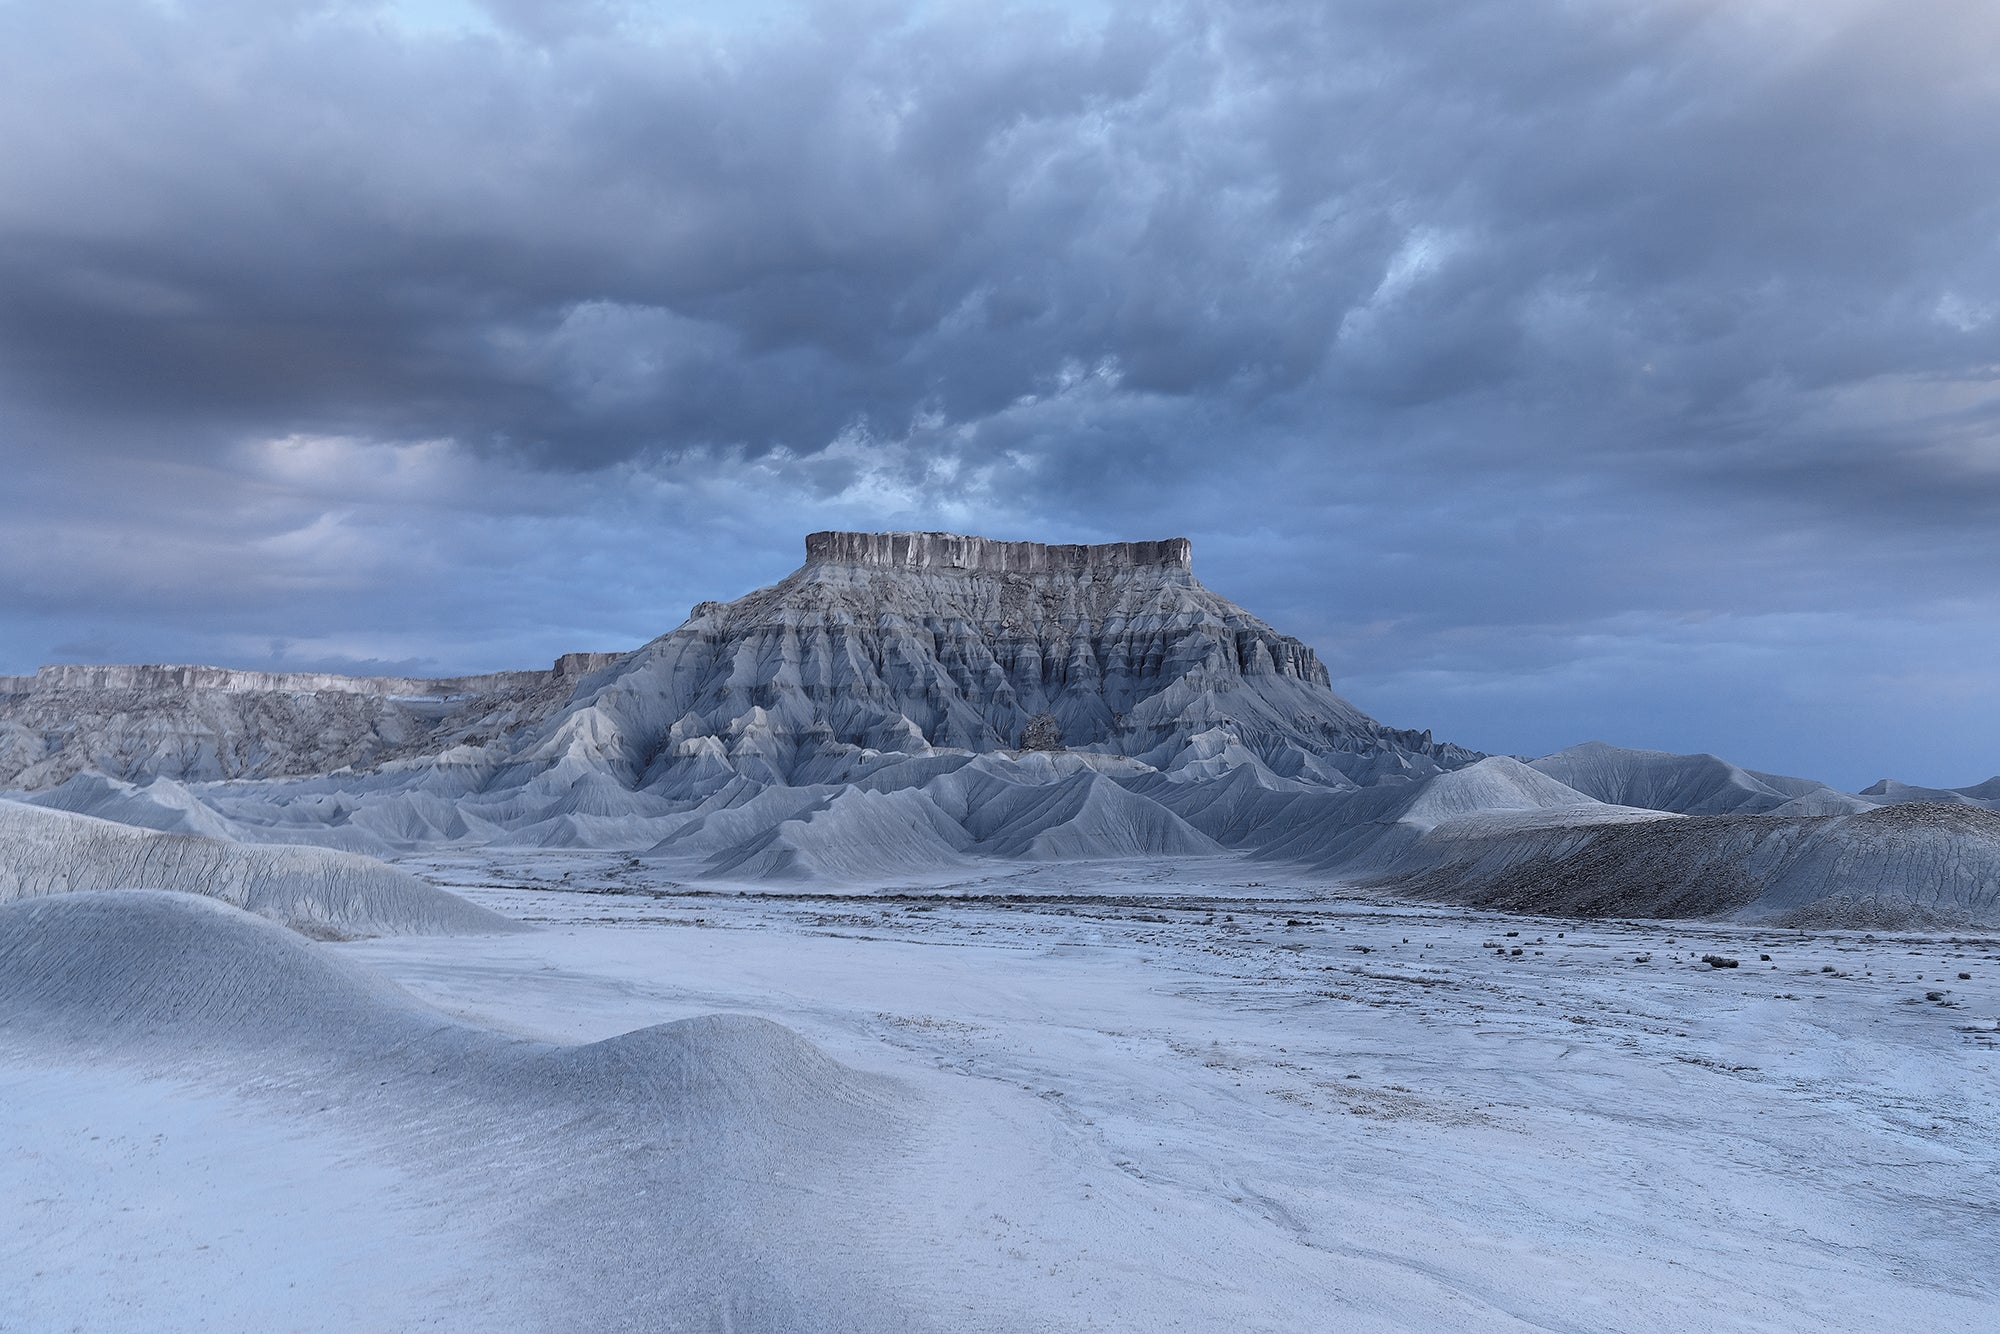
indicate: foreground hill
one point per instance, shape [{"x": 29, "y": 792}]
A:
[
  {"x": 317, "y": 892},
  {"x": 1893, "y": 867},
  {"x": 679, "y": 1176}
]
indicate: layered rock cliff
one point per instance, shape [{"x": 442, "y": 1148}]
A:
[
  {"x": 155, "y": 677},
  {"x": 202, "y": 723},
  {"x": 905, "y": 644}
]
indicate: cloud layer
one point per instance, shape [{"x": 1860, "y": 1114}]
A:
[{"x": 1561, "y": 368}]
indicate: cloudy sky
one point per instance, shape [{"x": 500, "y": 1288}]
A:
[{"x": 1559, "y": 368}]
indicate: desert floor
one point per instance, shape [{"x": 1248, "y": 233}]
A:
[{"x": 1116, "y": 1097}]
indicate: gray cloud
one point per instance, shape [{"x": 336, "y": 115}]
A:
[{"x": 1481, "y": 343}]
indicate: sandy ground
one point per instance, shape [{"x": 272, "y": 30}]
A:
[
  {"x": 149, "y": 1205},
  {"x": 1201, "y": 1099}
]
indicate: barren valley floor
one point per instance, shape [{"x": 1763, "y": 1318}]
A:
[{"x": 1133, "y": 1098}]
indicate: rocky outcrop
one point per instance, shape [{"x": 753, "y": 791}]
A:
[{"x": 194, "y": 723}]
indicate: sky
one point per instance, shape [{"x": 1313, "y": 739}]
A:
[{"x": 1559, "y": 369}]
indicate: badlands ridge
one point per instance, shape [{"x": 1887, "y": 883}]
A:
[{"x": 906, "y": 706}]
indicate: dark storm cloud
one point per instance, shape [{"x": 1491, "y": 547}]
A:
[
  {"x": 621, "y": 241},
  {"x": 1520, "y": 329}
]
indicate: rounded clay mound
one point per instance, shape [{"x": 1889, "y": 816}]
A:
[{"x": 319, "y": 892}]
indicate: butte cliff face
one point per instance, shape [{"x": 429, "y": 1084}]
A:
[{"x": 908, "y": 644}]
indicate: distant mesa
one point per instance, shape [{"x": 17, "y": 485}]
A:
[
  {"x": 198, "y": 723},
  {"x": 163, "y": 677}
]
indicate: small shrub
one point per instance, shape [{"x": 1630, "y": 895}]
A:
[{"x": 1043, "y": 732}]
